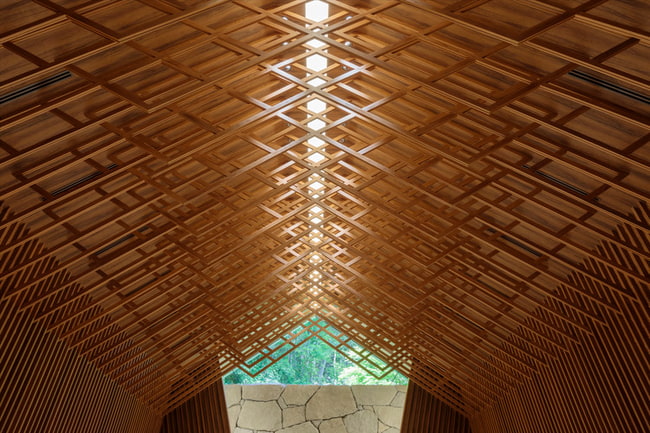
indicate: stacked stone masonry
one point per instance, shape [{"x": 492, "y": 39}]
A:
[{"x": 315, "y": 409}]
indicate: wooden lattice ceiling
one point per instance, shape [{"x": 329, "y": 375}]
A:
[{"x": 480, "y": 192}]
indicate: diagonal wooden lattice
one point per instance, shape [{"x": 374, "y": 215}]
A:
[
  {"x": 314, "y": 327},
  {"x": 481, "y": 186}
]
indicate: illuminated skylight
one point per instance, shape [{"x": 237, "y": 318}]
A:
[
  {"x": 315, "y": 259},
  {"x": 316, "y": 62},
  {"x": 315, "y": 142},
  {"x": 315, "y": 237},
  {"x": 316, "y": 186},
  {"x": 316, "y": 210},
  {"x": 315, "y": 43},
  {"x": 316, "y": 82},
  {"x": 317, "y": 10},
  {"x": 316, "y": 106},
  {"x": 316, "y": 124},
  {"x": 316, "y": 220},
  {"x": 315, "y": 158}
]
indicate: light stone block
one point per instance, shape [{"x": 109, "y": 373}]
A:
[
  {"x": 389, "y": 415},
  {"x": 298, "y": 395},
  {"x": 233, "y": 416},
  {"x": 233, "y": 394},
  {"x": 306, "y": 427},
  {"x": 261, "y": 392},
  {"x": 260, "y": 415},
  {"x": 334, "y": 425},
  {"x": 399, "y": 400},
  {"x": 331, "y": 402},
  {"x": 293, "y": 415},
  {"x": 373, "y": 394},
  {"x": 364, "y": 421}
]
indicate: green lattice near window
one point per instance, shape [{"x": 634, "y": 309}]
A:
[{"x": 315, "y": 353}]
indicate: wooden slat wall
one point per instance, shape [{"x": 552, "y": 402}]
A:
[
  {"x": 46, "y": 387},
  {"x": 204, "y": 413},
  {"x": 476, "y": 152},
  {"x": 603, "y": 385},
  {"x": 424, "y": 413}
]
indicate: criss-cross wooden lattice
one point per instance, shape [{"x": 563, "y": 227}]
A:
[{"x": 480, "y": 193}]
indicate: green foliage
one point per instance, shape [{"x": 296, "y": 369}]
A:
[
  {"x": 314, "y": 362},
  {"x": 355, "y": 375}
]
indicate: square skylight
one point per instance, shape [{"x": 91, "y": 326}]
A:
[
  {"x": 316, "y": 82},
  {"x": 317, "y": 124},
  {"x": 316, "y": 220},
  {"x": 315, "y": 158},
  {"x": 315, "y": 142},
  {"x": 316, "y": 186},
  {"x": 317, "y": 10},
  {"x": 316, "y": 106},
  {"x": 316, "y": 210},
  {"x": 316, "y": 62},
  {"x": 315, "y": 237},
  {"x": 316, "y": 43}
]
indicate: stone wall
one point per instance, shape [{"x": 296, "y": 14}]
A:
[{"x": 315, "y": 409}]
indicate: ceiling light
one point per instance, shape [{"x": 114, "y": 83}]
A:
[
  {"x": 315, "y": 220},
  {"x": 316, "y": 210},
  {"x": 316, "y": 106},
  {"x": 317, "y": 10}
]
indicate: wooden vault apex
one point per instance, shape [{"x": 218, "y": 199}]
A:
[{"x": 483, "y": 191}]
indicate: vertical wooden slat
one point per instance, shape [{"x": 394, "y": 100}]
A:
[
  {"x": 424, "y": 413},
  {"x": 48, "y": 388},
  {"x": 603, "y": 383},
  {"x": 478, "y": 158},
  {"x": 206, "y": 412}
]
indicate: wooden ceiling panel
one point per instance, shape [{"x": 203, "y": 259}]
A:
[{"x": 462, "y": 191}]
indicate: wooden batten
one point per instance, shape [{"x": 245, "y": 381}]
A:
[
  {"x": 423, "y": 413},
  {"x": 456, "y": 188},
  {"x": 49, "y": 388},
  {"x": 206, "y": 412}
]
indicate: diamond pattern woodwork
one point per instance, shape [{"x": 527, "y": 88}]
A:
[{"x": 462, "y": 189}]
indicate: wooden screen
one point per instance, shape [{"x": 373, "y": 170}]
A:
[
  {"x": 454, "y": 183},
  {"x": 423, "y": 413},
  {"x": 47, "y": 388},
  {"x": 206, "y": 412},
  {"x": 601, "y": 385}
]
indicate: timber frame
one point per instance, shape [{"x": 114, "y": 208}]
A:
[{"x": 481, "y": 189}]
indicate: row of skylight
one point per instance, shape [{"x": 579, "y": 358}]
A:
[{"x": 316, "y": 11}]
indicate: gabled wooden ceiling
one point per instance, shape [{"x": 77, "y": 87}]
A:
[{"x": 483, "y": 163}]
